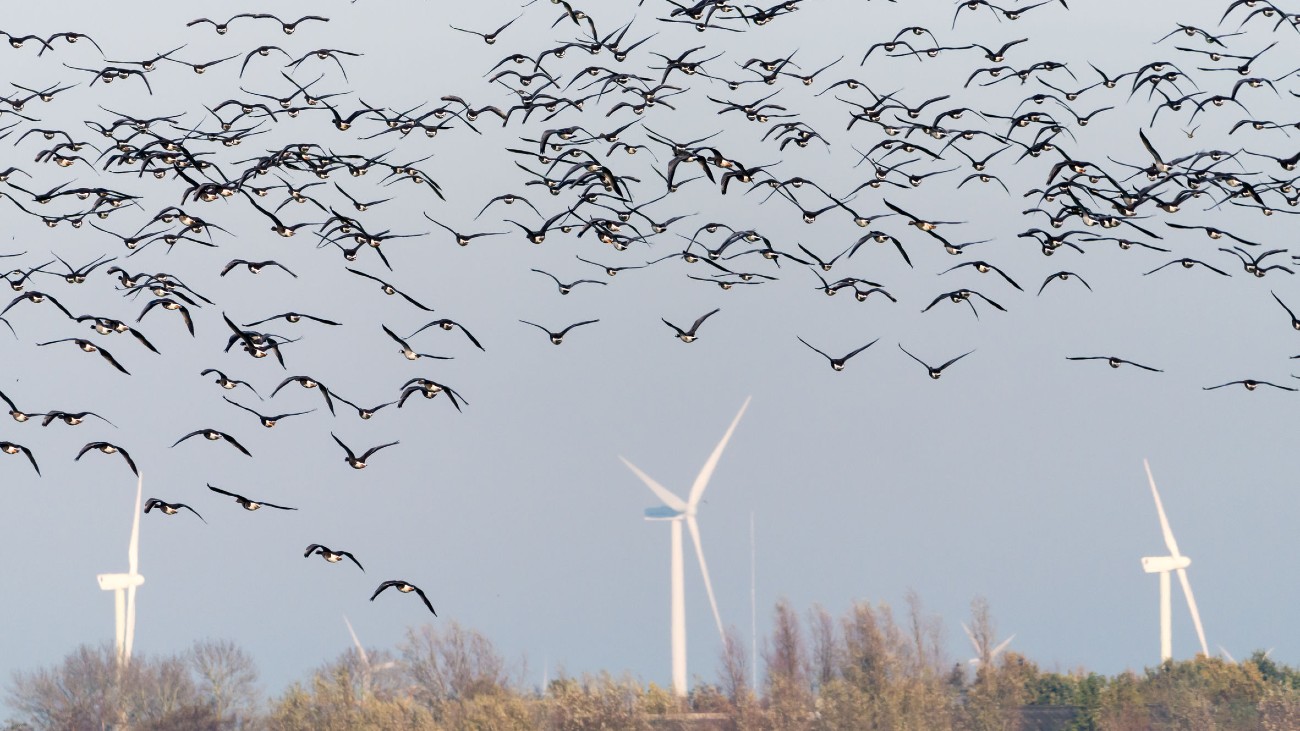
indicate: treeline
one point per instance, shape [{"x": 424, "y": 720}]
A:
[{"x": 865, "y": 670}]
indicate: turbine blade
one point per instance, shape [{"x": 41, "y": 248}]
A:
[
  {"x": 970, "y": 636},
  {"x": 133, "y": 548},
  {"x": 361, "y": 651},
  {"x": 119, "y": 623},
  {"x": 668, "y": 498},
  {"x": 130, "y": 625},
  {"x": 1191, "y": 606},
  {"x": 1164, "y": 521},
  {"x": 1001, "y": 646},
  {"x": 704, "y": 569},
  {"x": 702, "y": 479}
]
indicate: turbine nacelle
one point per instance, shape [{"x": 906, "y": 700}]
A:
[
  {"x": 1164, "y": 564},
  {"x": 111, "y": 582},
  {"x": 677, "y": 511}
]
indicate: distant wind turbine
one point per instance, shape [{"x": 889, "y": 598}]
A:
[
  {"x": 123, "y": 586},
  {"x": 983, "y": 654},
  {"x": 678, "y": 511},
  {"x": 366, "y": 669},
  {"x": 1162, "y": 565}
]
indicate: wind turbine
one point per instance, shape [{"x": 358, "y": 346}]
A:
[
  {"x": 676, "y": 511},
  {"x": 123, "y": 586},
  {"x": 984, "y": 655},
  {"x": 366, "y": 669},
  {"x": 1162, "y": 565}
]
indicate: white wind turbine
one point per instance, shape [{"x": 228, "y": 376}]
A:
[
  {"x": 1162, "y": 565},
  {"x": 123, "y": 586},
  {"x": 678, "y": 511},
  {"x": 366, "y": 669},
  {"x": 983, "y": 654}
]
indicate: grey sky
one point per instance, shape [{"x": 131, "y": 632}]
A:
[{"x": 1017, "y": 475}]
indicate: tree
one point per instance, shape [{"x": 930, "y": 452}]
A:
[
  {"x": 451, "y": 664},
  {"x": 227, "y": 679},
  {"x": 733, "y": 668},
  {"x": 90, "y": 690},
  {"x": 825, "y": 653},
  {"x": 789, "y": 693}
]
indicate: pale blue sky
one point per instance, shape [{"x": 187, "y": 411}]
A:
[{"x": 1017, "y": 476}]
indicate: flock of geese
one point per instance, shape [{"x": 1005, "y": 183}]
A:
[{"x": 587, "y": 120}]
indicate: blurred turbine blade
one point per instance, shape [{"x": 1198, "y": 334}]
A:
[
  {"x": 704, "y": 569},
  {"x": 702, "y": 479},
  {"x": 133, "y": 548},
  {"x": 1164, "y": 521},
  {"x": 668, "y": 498},
  {"x": 1196, "y": 614}
]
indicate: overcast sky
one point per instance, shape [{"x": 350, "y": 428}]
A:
[{"x": 1016, "y": 476}]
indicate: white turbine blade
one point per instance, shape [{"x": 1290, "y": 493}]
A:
[
  {"x": 1164, "y": 521},
  {"x": 1191, "y": 606},
  {"x": 130, "y": 624},
  {"x": 1002, "y": 646},
  {"x": 970, "y": 636},
  {"x": 702, "y": 479},
  {"x": 1227, "y": 654},
  {"x": 133, "y": 548},
  {"x": 704, "y": 569},
  {"x": 668, "y": 498},
  {"x": 361, "y": 651},
  {"x": 119, "y": 623}
]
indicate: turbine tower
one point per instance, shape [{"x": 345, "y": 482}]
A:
[
  {"x": 123, "y": 586},
  {"x": 676, "y": 511},
  {"x": 1162, "y": 565}
]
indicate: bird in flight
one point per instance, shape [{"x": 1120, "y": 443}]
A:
[
  {"x": 214, "y": 435},
  {"x": 1113, "y": 362},
  {"x": 558, "y": 337},
  {"x": 355, "y": 462},
  {"x": 11, "y": 448},
  {"x": 331, "y": 555},
  {"x": 837, "y": 363},
  {"x": 405, "y": 588},
  {"x": 689, "y": 336},
  {"x": 935, "y": 373},
  {"x": 246, "y": 503},
  {"x": 107, "y": 448},
  {"x": 168, "y": 508}
]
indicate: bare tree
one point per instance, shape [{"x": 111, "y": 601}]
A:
[
  {"x": 227, "y": 678},
  {"x": 982, "y": 632},
  {"x": 733, "y": 670},
  {"x": 825, "y": 652},
  {"x": 789, "y": 693},
  {"x": 927, "y": 635},
  {"x": 82, "y": 692},
  {"x": 786, "y": 657},
  {"x": 451, "y": 664},
  {"x": 89, "y": 690}
]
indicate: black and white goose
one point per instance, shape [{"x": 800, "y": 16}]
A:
[
  {"x": 407, "y": 351},
  {"x": 267, "y": 421},
  {"x": 11, "y": 448},
  {"x": 229, "y": 383},
  {"x": 168, "y": 508},
  {"x": 405, "y": 588},
  {"x": 837, "y": 363},
  {"x": 245, "y": 502},
  {"x": 331, "y": 555},
  {"x": 214, "y": 435},
  {"x": 358, "y": 463},
  {"x": 108, "y": 448}
]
